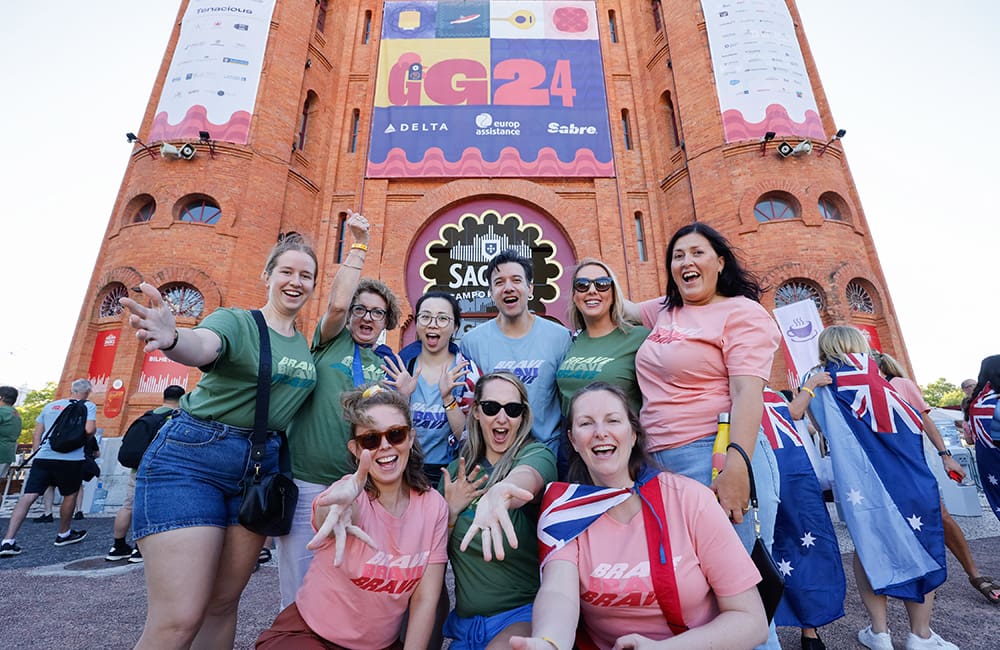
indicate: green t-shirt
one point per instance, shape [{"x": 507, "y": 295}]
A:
[
  {"x": 318, "y": 435},
  {"x": 10, "y": 431},
  {"x": 227, "y": 391},
  {"x": 488, "y": 588},
  {"x": 609, "y": 358}
]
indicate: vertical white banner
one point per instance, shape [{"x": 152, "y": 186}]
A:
[
  {"x": 213, "y": 77},
  {"x": 800, "y": 325},
  {"x": 760, "y": 74}
]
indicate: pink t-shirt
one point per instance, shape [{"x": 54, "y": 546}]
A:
[
  {"x": 361, "y": 603},
  {"x": 909, "y": 391},
  {"x": 685, "y": 364},
  {"x": 616, "y": 591}
]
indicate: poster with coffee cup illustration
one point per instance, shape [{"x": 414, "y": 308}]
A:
[{"x": 800, "y": 325}]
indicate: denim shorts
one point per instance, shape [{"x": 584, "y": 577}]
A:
[{"x": 193, "y": 475}]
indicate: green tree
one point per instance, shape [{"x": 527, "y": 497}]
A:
[
  {"x": 33, "y": 403},
  {"x": 942, "y": 393}
]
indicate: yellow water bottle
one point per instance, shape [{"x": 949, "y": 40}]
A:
[{"x": 721, "y": 443}]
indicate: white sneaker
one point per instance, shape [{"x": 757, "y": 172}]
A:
[
  {"x": 914, "y": 642},
  {"x": 880, "y": 641}
]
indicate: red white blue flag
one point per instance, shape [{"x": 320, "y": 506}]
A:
[
  {"x": 805, "y": 545},
  {"x": 983, "y": 413},
  {"x": 568, "y": 509}
]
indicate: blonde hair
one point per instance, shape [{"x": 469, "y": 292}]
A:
[
  {"x": 838, "y": 341},
  {"x": 474, "y": 448},
  {"x": 617, "y": 313},
  {"x": 293, "y": 241},
  {"x": 889, "y": 366}
]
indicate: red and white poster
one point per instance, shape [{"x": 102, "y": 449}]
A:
[
  {"x": 115, "y": 399},
  {"x": 158, "y": 372},
  {"x": 871, "y": 333},
  {"x": 103, "y": 358}
]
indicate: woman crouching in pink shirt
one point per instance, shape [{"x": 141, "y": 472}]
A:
[
  {"x": 662, "y": 566},
  {"x": 381, "y": 542}
]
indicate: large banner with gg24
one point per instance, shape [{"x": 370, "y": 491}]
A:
[{"x": 497, "y": 88}]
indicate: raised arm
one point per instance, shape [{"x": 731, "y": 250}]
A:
[
  {"x": 797, "y": 407},
  {"x": 157, "y": 326},
  {"x": 521, "y": 486},
  {"x": 345, "y": 283},
  {"x": 336, "y": 507}
]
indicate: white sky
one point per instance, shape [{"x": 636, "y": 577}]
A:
[{"x": 912, "y": 82}]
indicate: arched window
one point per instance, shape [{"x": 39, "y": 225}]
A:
[
  {"x": 341, "y": 228},
  {"x": 307, "y": 107},
  {"x": 626, "y": 129},
  {"x": 183, "y": 299},
  {"x": 859, "y": 299},
  {"x": 797, "y": 290},
  {"x": 612, "y": 27},
  {"x": 110, "y": 305},
  {"x": 776, "y": 206},
  {"x": 831, "y": 207},
  {"x": 200, "y": 210},
  {"x": 355, "y": 127},
  {"x": 367, "y": 33},
  {"x": 145, "y": 211},
  {"x": 673, "y": 138},
  {"x": 640, "y": 237}
]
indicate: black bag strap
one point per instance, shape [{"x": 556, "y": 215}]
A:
[
  {"x": 753, "y": 485},
  {"x": 259, "y": 438}
]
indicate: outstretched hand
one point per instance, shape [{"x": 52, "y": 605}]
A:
[
  {"x": 452, "y": 378},
  {"x": 493, "y": 519},
  {"x": 340, "y": 498},
  {"x": 154, "y": 324},
  {"x": 398, "y": 376},
  {"x": 464, "y": 489}
]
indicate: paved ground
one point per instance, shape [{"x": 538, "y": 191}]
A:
[{"x": 70, "y": 597}]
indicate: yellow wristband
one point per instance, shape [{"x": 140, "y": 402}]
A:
[
  {"x": 451, "y": 405},
  {"x": 358, "y": 246},
  {"x": 808, "y": 390},
  {"x": 550, "y": 642}
]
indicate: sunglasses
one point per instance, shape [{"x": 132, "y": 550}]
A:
[
  {"x": 395, "y": 435},
  {"x": 602, "y": 284},
  {"x": 491, "y": 408}
]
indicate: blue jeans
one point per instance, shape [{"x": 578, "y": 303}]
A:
[
  {"x": 694, "y": 460},
  {"x": 193, "y": 475}
]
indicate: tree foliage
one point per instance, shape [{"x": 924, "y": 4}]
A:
[
  {"x": 942, "y": 393},
  {"x": 33, "y": 403}
]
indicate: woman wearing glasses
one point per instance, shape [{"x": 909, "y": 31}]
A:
[
  {"x": 381, "y": 536},
  {"x": 604, "y": 348},
  {"x": 347, "y": 355},
  {"x": 492, "y": 514},
  {"x": 437, "y": 379}
]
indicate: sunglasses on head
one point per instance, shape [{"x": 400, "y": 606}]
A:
[
  {"x": 372, "y": 440},
  {"x": 602, "y": 284},
  {"x": 491, "y": 408}
]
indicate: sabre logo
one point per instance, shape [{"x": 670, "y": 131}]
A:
[{"x": 572, "y": 129}]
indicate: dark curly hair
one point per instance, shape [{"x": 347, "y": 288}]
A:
[{"x": 734, "y": 279}]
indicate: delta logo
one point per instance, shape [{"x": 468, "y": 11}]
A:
[{"x": 407, "y": 127}]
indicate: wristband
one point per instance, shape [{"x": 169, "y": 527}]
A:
[
  {"x": 177, "y": 336},
  {"x": 549, "y": 641},
  {"x": 451, "y": 405},
  {"x": 806, "y": 389},
  {"x": 358, "y": 246},
  {"x": 944, "y": 452}
]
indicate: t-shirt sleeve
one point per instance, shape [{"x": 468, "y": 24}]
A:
[
  {"x": 569, "y": 553},
  {"x": 909, "y": 391},
  {"x": 725, "y": 563},
  {"x": 439, "y": 541},
  {"x": 749, "y": 341},
  {"x": 649, "y": 310},
  {"x": 91, "y": 411},
  {"x": 539, "y": 457},
  {"x": 225, "y": 323}
]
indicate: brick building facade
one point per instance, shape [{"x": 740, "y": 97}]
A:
[{"x": 200, "y": 229}]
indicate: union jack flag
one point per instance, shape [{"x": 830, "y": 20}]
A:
[
  {"x": 777, "y": 421},
  {"x": 873, "y": 400},
  {"x": 981, "y": 412},
  {"x": 568, "y": 509}
]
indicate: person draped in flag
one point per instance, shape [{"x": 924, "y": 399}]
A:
[
  {"x": 492, "y": 512},
  {"x": 889, "y": 495},
  {"x": 954, "y": 538},
  {"x": 632, "y": 555},
  {"x": 710, "y": 352},
  {"x": 985, "y": 419},
  {"x": 805, "y": 544}
]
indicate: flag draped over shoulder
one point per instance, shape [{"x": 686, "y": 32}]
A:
[
  {"x": 982, "y": 412},
  {"x": 889, "y": 496},
  {"x": 805, "y": 544}
]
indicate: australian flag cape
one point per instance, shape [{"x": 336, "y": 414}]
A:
[
  {"x": 805, "y": 544},
  {"x": 888, "y": 496},
  {"x": 983, "y": 413}
]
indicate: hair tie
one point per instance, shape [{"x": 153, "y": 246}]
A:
[{"x": 371, "y": 391}]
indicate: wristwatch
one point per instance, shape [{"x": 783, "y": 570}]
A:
[{"x": 944, "y": 452}]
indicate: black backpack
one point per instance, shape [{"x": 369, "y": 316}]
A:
[
  {"x": 69, "y": 431},
  {"x": 138, "y": 436}
]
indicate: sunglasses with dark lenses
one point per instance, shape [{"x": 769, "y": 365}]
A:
[
  {"x": 395, "y": 435},
  {"x": 602, "y": 284},
  {"x": 491, "y": 408}
]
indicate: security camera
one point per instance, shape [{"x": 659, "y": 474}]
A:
[
  {"x": 785, "y": 150},
  {"x": 801, "y": 148},
  {"x": 167, "y": 149},
  {"x": 187, "y": 152}
]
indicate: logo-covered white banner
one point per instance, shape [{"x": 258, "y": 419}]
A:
[
  {"x": 212, "y": 81},
  {"x": 760, "y": 74},
  {"x": 800, "y": 326}
]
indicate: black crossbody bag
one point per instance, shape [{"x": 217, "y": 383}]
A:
[{"x": 268, "y": 501}]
